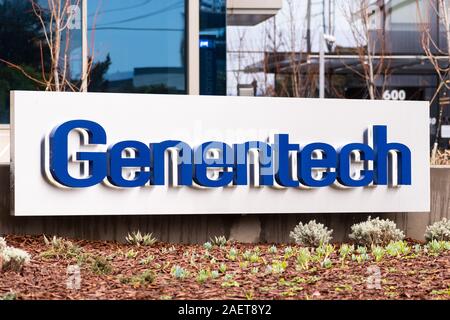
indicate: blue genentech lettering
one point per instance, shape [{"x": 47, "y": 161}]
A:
[{"x": 229, "y": 161}]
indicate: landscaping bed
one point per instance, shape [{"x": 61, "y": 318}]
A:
[{"x": 111, "y": 270}]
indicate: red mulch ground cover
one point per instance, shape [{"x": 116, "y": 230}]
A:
[{"x": 421, "y": 277}]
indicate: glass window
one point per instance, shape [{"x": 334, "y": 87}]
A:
[
  {"x": 138, "y": 46},
  {"x": 23, "y": 65},
  {"x": 213, "y": 47}
]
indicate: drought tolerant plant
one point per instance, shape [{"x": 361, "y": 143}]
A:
[
  {"x": 254, "y": 270},
  {"x": 179, "y": 272},
  {"x": 288, "y": 252},
  {"x": 131, "y": 254},
  {"x": 138, "y": 239},
  {"x": 378, "y": 253},
  {"x": 398, "y": 248},
  {"x": 251, "y": 256},
  {"x": 361, "y": 250},
  {"x": 146, "y": 277},
  {"x": 303, "y": 258},
  {"x": 344, "y": 251},
  {"x": 215, "y": 274},
  {"x": 208, "y": 245},
  {"x": 311, "y": 234},
  {"x": 375, "y": 232},
  {"x": 435, "y": 247},
  {"x": 324, "y": 251},
  {"x": 223, "y": 268},
  {"x": 279, "y": 266},
  {"x": 417, "y": 248},
  {"x": 272, "y": 249},
  {"x": 203, "y": 276},
  {"x": 439, "y": 230},
  {"x": 229, "y": 281},
  {"x": 220, "y": 241},
  {"x": 147, "y": 260},
  {"x": 360, "y": 258},
  {"x": 60, "y": 248},
  {"x": 13, "y": 259},
  {"x": 233, "y": 253},
  {"x": 101, "y": 265},
  {"x": 327, "y": 263}
]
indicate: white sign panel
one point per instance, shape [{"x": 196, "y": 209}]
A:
[{"x": 123, "y": 154}]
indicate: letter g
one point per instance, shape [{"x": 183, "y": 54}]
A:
[{"x": 59, "y": 157}]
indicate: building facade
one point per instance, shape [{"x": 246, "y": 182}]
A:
[{"x": 403, "y": 70}]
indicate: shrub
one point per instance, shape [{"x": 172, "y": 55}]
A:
[
  {"x": 312, "y": 234},
  {"x": 61, "y": 248},
  {"x": 375, "y": 232},
  {"x": 146, "y": 277},
  {"x": 439, "y": 231},
  {"x": 14, "y": 259},
  {"x": 101, "y": 265},
  {"x": 138, "y": 239}
]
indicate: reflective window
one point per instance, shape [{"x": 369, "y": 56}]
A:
[
  {"x": 26, "y": 60},
  {"x": 213, "y": 47},
  {"x": 138, "y": 46}
]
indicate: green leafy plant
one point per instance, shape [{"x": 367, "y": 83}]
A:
[
  {"x": 272, "y": 249},
  {"x": 138, "y": 239},
  {"x": 324, "y": 251},
  {"x": 230, "y": 283},
  {"x": 303, "y": 258},
  {"x": 288, "y": 252},
  {"x": 249, "y": 295},
  {"x": 146, "y": 277},
  {"x": 220, "y": 241},
  {"x": 439, "y": 231},
  {"x": 131, "y": 254},
  {"x": 179, "y": 272},
  {"x": 208, "y": 245},
  {"x": 378, "y": 253},
  {"x": 279, "y": 266},
  {"x": 417, "y": 249},
  {"x": 215, "y": 274},
  {"x": 398, "y": 248},
  {"x": 101, "y": 265},
  {"x": 203, "y": 276},
  {"x": 361, "y": 250},
  {"x": 345, "y": 251},
  {"x": 251, "y": 256},
  {"x": 311, "y": 234},
  {"x": 360, "y": 258},
  {"x": 233, "y": 253},
  {"x": 327, "y": 263},
  {"x": 147, "y": 260},
  {"x": 375, "y": 232},
  {"x": 223, "y": 268},
  {"x": 436, "y": 247},
  {"x": 61, "y": 248}
]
